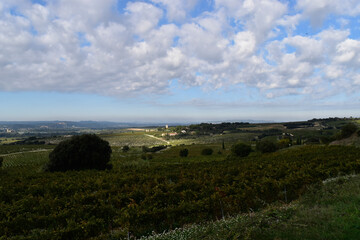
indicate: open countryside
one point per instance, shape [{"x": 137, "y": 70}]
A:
[{"x": 152, "y": 188}]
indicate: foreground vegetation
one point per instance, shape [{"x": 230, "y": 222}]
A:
[
  {"x": 327, "y": 210},
  {"x": 139, "y": 196},
  {"x": 248, "y": 175}
]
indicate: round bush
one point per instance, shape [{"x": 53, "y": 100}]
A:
[
  {"x": 125, "y": 148},
  {"x": 206, "y": 151},
  {"x": 348, "y": 130},
  {"x": 184, "y": 152},
  {"x": 266, "y": 146},
  {"x": 87, "y": 151},
  {"x": 241, "y": 149}
]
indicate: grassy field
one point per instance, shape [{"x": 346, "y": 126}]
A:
[
  {"x": 162, "y": 191},
  {"x": 213, "y": 139},
  {"x": 132, "y": 139},
  {"x": 151, "y": 139},
  {"x": 139, "y": 195},
  {"x": 9, "y": 149},
  {"x": 7, "y": 140},
  {"x": 328, "y": 210},
  {"x": 26, "y": 160}
]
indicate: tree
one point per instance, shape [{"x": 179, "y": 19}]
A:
[
  {"x": 184, "y": 152},
  {"x": 266, "y": 146},
  {"x": 206, "y": 151},
  {"x": 348, "y": 130},
  {"x": 1, "y": 161},
  {"x": 125, "y": 148},
  {"x": 87, "y": 151},
  {"x": 241, "y": 149}
]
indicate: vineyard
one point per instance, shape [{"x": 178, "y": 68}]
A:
[
  {"x": 131, "y": 139},
  {"x": 139, "y": 196},
  {"x": 26, "y": 159}
]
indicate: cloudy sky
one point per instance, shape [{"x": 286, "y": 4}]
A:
[{"x": 179, "y": 60}]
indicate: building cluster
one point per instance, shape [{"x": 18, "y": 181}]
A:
[{"x": 7, "y": 130}]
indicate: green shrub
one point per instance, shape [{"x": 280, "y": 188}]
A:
[
  {"x": 327, "y": 139},
  {"x": 348, "y": 130},
  {"x": 283, "y": 143},
  {"x": 241, "y": 149},
  {"x": 206, "y": 151},
  {"x": 125, "y": 148},
  {"x": 153, "y": 149},
  {"x": 266, "y": 146},
  {"x": 184, "y": 152},
  {"x": 313, "y": 140},
  {"x": 87, "y": 151}
]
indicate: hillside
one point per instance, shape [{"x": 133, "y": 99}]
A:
[
  {"x": 353, "y": 140},
  {"x": 328, "y": 210},
  {"x": 139, "y": 196}
]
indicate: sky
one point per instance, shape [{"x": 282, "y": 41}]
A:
[{"x": 179, "y": 60}]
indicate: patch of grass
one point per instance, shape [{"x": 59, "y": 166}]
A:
[
  {"x": 10, "y": 149},
  {"x": 214, "y": 139},
  {"x": 7, "y": 140},
  {"x": 171, "y": 155},
  {"x": 131, "y": 139}
]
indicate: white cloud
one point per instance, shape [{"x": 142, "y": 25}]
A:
[
  {"x": 258, "y": 16},
  {"x": 177, "y": 10},
  {"x": 143, "y": 17},
  {"x": 67, "y": 47},
  {"x": 318, "y": 10}
]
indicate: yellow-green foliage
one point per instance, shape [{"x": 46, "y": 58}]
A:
[{"x": 131, "y": 139}]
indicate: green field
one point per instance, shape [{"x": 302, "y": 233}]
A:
[
  {"x": 140, "y": 196},
  {"x": 132, "y": 139},
  {"x": 147, "y": 193},
  {"x": 26, "y": 160},
  {"x": 7, "y": 140}
]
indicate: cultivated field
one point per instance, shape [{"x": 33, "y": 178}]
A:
[{"x": 146, "y": 192}]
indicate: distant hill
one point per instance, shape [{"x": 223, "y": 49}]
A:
[{"x": 16, "y": 125}]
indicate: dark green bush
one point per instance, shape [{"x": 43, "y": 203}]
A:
[
  {"x": 266, "y": 146},
  {"x": 348, "y": 130},
  {"x": 153, "y": 149},
  {"x": 125, "y": 148},
  {"x": 241, "y": 149},
  {"x": 184, "y": 152},
  {"x": 206, "y": 151},
  {"x": 87, "y": 151},
  {"x": 1, "y": 161}
]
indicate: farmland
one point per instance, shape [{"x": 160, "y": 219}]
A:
[
  {"x": 131, "y": 139},
  {"x": 148, "y": 192}
]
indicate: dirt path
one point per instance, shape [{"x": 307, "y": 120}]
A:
[
  {"x": 32, "y": 151},
  {"x": 160, "y": 139}
]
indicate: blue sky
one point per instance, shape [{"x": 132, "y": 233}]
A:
[{"x": 179, "y": 60}]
